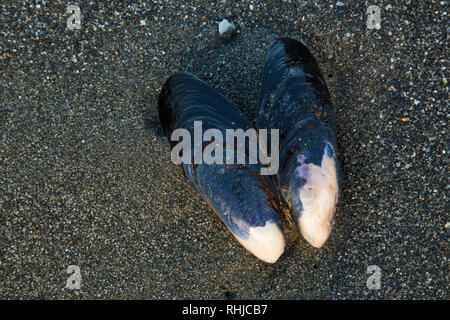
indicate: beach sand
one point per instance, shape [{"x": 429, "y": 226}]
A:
[{"x": 86, "y": 177}]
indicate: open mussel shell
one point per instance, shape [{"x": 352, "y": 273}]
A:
[
  {"x": 243, "y": 199},
  {"x": 294, "y": 98}
]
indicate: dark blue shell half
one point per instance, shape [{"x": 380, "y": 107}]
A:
[
  {"x": 294, "y": 98},
  {"x": 240, "y": 196}
]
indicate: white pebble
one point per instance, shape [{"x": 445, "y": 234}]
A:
[{"x": 226, "y": 28}]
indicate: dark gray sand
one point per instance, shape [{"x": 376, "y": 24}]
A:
[{"x": 86, "y": 177}]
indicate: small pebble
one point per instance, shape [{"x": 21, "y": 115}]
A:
[{"x": 226, "y": 28}]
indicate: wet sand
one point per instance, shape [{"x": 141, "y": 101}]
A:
[{"x": 85, "y": 171}]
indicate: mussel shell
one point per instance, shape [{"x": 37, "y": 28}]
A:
[
  {"x": 294, "y": 98},
  {"x": 243, "y": 199}
]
